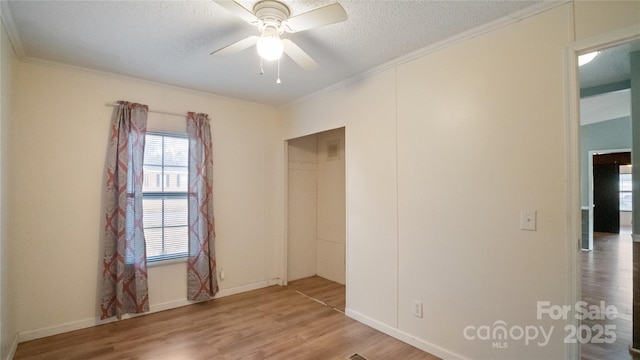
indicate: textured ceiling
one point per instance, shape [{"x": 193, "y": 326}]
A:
[
  {"x": 612, "y": 65},
  {"x": 170, "y": 41}
]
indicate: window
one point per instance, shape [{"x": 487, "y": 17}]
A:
[
  {"x": 625, "y": 191},
  {"x": 165, "y": 207}
]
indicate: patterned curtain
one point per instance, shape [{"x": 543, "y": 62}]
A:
[
  {"x": 124, "y": 286},
  {"x": 202, "y": 283}
]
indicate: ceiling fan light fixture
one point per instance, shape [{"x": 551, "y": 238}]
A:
[
  {"x": 586, "y": 58},
  {"x": 273, "y": 18},
  {"x": 270, "y": 47}
]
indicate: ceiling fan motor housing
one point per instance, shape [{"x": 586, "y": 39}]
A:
[
  {"x": 271, "y": 14},
  {"x": 272, "y": 18}
]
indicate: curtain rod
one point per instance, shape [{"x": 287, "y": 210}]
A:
[{"x": 154, "y": 111}]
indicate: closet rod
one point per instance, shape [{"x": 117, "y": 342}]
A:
[{"x": 154, "y": 111}]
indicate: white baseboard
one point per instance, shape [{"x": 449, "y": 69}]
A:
[
  {"x": 243, "y": 288},
  {"x": 13, "y": 348},
  {"x": 403, "y": 336},
  {"x": 86, "y": 323},
  {"x": 57, "y": 329}
]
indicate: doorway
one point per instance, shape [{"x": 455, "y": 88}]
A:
[
  {"x": 606, "y": 190},
  {"x": 316, "y": 216},
  {"x": 606, "y": 267},
  {"x": 610, "y": 191}
]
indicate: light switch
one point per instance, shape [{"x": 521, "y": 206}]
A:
[{"x": 528, "y": 220}]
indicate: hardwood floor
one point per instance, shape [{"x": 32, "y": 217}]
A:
[
  {"x": 607, "y": 276},
  {"x": 321, "y": 289},
  {"x": 271, "y": 323},
  {"x": 286, "y": 323}
]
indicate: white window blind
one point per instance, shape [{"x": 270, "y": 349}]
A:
[{"x": 166, "y": 159}]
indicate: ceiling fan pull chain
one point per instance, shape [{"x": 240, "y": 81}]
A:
[
  {"x": 261, "y": 69},
  {"x": 278, "y": 81}
]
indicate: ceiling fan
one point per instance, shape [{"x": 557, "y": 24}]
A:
[{"x": 273, "y": 18}]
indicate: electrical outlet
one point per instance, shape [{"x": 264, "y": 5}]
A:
[{"x": 417, "y": 308}]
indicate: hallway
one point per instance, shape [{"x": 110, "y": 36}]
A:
[{"x": 607, "y": 276}]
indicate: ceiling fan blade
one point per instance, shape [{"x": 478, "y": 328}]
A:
[
  {"x": 237, "y": 46},
  {"x": 298, "y": 55},
  {"x": 238, "y": 10},
  {"x": 325, "y": 15}
]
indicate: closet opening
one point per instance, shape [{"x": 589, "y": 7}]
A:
[{"x": 316, "y": 216}]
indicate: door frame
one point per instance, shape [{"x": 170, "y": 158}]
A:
[
  {"x": 590, "y": 155},
  {"x": 574, "y": 210},
  {"x": 285, "y": 247}
]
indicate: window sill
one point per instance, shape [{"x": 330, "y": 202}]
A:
[{"x": 166, "y": 262}]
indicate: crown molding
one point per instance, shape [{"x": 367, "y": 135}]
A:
[
  {"x": 12, "y": 30},
  {"x": 466, "y": 35}
]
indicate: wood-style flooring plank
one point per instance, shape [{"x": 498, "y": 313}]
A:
[
  {"x": 327, "y": 291},
  {"x": 607, "y": 276},
  {"x": 270, "y": 323}
]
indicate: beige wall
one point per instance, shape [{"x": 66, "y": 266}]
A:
[
  {"x": 7, "y": 283},
  {"x": 302, "y": 206},
  {"x": 312, "y": 116},
  {"x": 57, "y": 168},
  {"x": 481, "y": 137},
  {"x": 372, "y": 198},
  {"x": 443, "y": 152},
  {"x": 593, "y": 18},
  {"x": 331, "y": 232},
  {"x": 409, "y": 129}
]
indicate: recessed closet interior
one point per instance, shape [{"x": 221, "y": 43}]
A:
[{"x": 316, "y": 225}]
